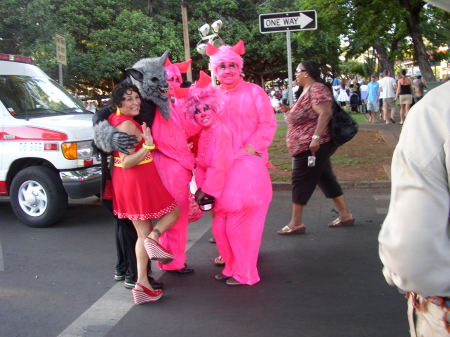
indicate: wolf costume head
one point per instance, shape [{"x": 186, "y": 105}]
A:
[{"x": 150, "y": 77}]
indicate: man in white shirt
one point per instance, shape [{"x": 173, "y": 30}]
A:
[
  {"x": 388, "y": 88},
  {"x": 414, "y": 241}
]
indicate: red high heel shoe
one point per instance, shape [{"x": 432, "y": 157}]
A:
[
  {"x": 157, "y": 252},
  {"x": 145, "y": 295}
]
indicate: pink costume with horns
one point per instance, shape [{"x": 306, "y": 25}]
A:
[
  {"x": 175, "y": 163},
  {"x": 242, "y": 208}
]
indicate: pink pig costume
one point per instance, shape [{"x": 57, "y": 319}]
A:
[
  {"x": 175, "y": 163},
  {"x": 243, "y": 202}
]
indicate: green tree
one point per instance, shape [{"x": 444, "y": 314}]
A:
[{"x": 413, "y": 16}]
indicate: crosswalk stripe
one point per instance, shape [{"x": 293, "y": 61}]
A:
[{"x": 109, "y": 309}]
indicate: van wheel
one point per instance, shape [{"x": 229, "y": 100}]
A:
[{"x": 37, "y": 196}]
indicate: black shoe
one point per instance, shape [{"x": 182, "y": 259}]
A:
[
  {"x": 392, "y": 120},
  {"x": 129, "y": 283},
  {"x": 119, "y": 276},
  {"x": 183, "y": 271},
  {"x": 155, "y": 284}
]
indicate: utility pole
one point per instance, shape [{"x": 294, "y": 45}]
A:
[{"x": 187, "y": 49}]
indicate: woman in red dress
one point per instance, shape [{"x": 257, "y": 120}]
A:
[{"x": 138, "y": 193}]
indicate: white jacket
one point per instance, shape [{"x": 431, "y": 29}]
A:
[{"x": 414, "y": 241}]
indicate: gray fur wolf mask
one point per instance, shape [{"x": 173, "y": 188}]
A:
[{"x": 150, "y": 77}]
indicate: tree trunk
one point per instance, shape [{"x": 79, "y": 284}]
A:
[
  {"x": 413, "y": 8},
  {"x": 150, "y": 8},
  {"x": 386, "y": 62}
]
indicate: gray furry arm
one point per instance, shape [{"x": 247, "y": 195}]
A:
[
  {"x": 103, "y": 136},
  {"x": 108, "y": 139}
]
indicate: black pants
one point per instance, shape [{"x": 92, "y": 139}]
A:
[
  {"x": 305, "y": 179},
  {"x": 126, "y": 237}
]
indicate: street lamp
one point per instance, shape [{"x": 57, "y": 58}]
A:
[{"x": 211, "y": 37}]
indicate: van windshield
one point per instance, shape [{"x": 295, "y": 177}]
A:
[{"x": 30, "y": 97}]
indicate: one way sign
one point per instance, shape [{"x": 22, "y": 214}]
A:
[{"x": 288, "y": 21}]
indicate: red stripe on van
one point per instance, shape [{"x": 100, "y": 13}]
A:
[
  {"x": 30, "y": 133},
  {"x": 3, "y": 188}
]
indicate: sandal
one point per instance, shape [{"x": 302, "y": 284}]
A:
[
  {"x": 338, "y": 223},
  {"x": 286, "y": 230},
  {"x": 218, "y": 261},
  {"x": 232, "y": 282},
  {"x": 157, "y": 252},
  {"x": 220, "y": 277}
]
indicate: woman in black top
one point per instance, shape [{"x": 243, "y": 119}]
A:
[{"x": 404, "y": 92}]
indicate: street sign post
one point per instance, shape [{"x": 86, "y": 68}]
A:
[
  {"x": 61, "y": 54},
  {"x": 288, "y": 22}
]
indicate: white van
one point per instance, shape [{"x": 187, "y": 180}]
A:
[{"x": 46, "y": 152}]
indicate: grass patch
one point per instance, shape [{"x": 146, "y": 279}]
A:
[
  {"x": 280, "y": 116},
  {"x": 361, "y": 159},
  {"x": 346, "y": 160},
  {"x": 359, "y": 118}
]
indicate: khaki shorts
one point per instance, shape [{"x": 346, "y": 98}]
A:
[
  {"x": 389, "y": 103},
  {"x": 405, "y": 99},
  {"x": 372, "y": 106}
]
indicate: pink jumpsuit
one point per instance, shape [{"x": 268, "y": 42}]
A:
[
  {"x": 174, "y": 162},
  {"x": 241, "y": 207}
]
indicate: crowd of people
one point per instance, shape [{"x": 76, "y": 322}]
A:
[
  {"x": 379, "y": 96},
  {"x": 158, "y": 142},
  {"x": 163, "y": 135}
]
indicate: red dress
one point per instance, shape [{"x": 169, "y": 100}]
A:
[{"x": 138, "y": 193}]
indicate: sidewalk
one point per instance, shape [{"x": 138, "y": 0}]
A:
[{"x": 390, "y": 134}]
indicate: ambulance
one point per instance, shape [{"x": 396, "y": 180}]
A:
[{"x": 46, "y": 152}]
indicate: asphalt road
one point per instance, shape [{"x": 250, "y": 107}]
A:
[{"x": 328, "y": 283}]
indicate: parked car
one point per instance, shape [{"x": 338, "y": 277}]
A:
[{"x": 46, "y": 152}]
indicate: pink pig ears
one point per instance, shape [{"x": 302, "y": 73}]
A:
[
  {"x": 239, "y": 48},
  {"x": 167, "y": 62},
  {"x": 182, "y": 66},
  {"x": 203, "y": 81},
  {"x": 180, "y": 92},
  {"x": 210, "y": 49}
]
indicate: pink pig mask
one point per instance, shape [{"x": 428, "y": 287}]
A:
[
  {"x": 204, "y": 116},
  {"x": 227, "y": 63},
  {"x": 203, "y": 101},
  {"x": 174, "y": 71}
]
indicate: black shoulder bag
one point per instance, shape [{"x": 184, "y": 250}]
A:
[{"x": 343, "y": 126}]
